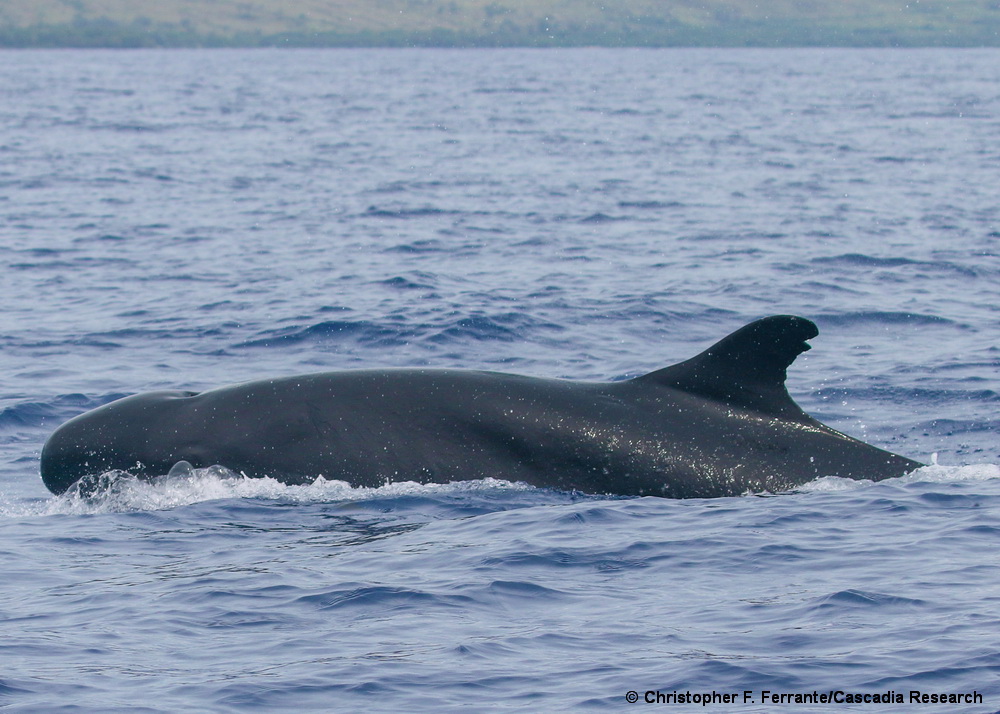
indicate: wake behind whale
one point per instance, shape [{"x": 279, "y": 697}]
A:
[{"x": 719, "y": 424}]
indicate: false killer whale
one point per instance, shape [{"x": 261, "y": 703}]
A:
[{"x": 718, "y": 424}]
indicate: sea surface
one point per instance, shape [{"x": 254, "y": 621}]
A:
[{"x": 188, "y": 219}]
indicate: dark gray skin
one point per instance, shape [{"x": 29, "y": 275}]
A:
[{"x": 719, "y": 424}]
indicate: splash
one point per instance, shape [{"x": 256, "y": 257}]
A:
[
  {"x": 833, "y": 484},
  {"x": 933, "y": 473},
  {"x": 121, "y": 492},
  {"x": 936, "y": 473}
]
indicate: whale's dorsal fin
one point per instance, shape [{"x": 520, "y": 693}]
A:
[{"x": 747, "y": 368}]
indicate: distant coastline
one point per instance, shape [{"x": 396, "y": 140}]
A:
[{"x": 501, "y": 23}]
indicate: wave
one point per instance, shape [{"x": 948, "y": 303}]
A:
[
  {"x": 121, "y": 492},
  {"x": 505, "y": 327},
  {"x": 860, "y": 260},
  {"x": 862, "y": 598},
  {"x": 421, "y": 212},
  {"x": 450, "y": 328},
  {"x": 882, "y": 317},
  {"x": 651, "y": 205},
  {"x": 359, "y": 331},
  {"x": 603, "y": 218},
  {"x": 933, "y": 473},
  {"x": 402, "y": 283},
  {"x": 910, "y": 395},
  {"x": 54, "y": 411}
]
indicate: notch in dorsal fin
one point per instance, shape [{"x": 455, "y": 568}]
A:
[{"x": 747, "y": 368}]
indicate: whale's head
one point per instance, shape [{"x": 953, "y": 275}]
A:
[{"x": 113, "y": 437}]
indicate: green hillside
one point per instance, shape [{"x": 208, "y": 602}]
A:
[{"x": 250, "y": 23}]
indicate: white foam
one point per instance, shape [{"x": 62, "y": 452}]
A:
[
  {"x": 934, "y": 473},
  {"x": 833, "y": 484},
  {"x": 186, "y": 486}
]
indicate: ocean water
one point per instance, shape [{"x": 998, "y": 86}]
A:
[{"x": 188, "y": 219}]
